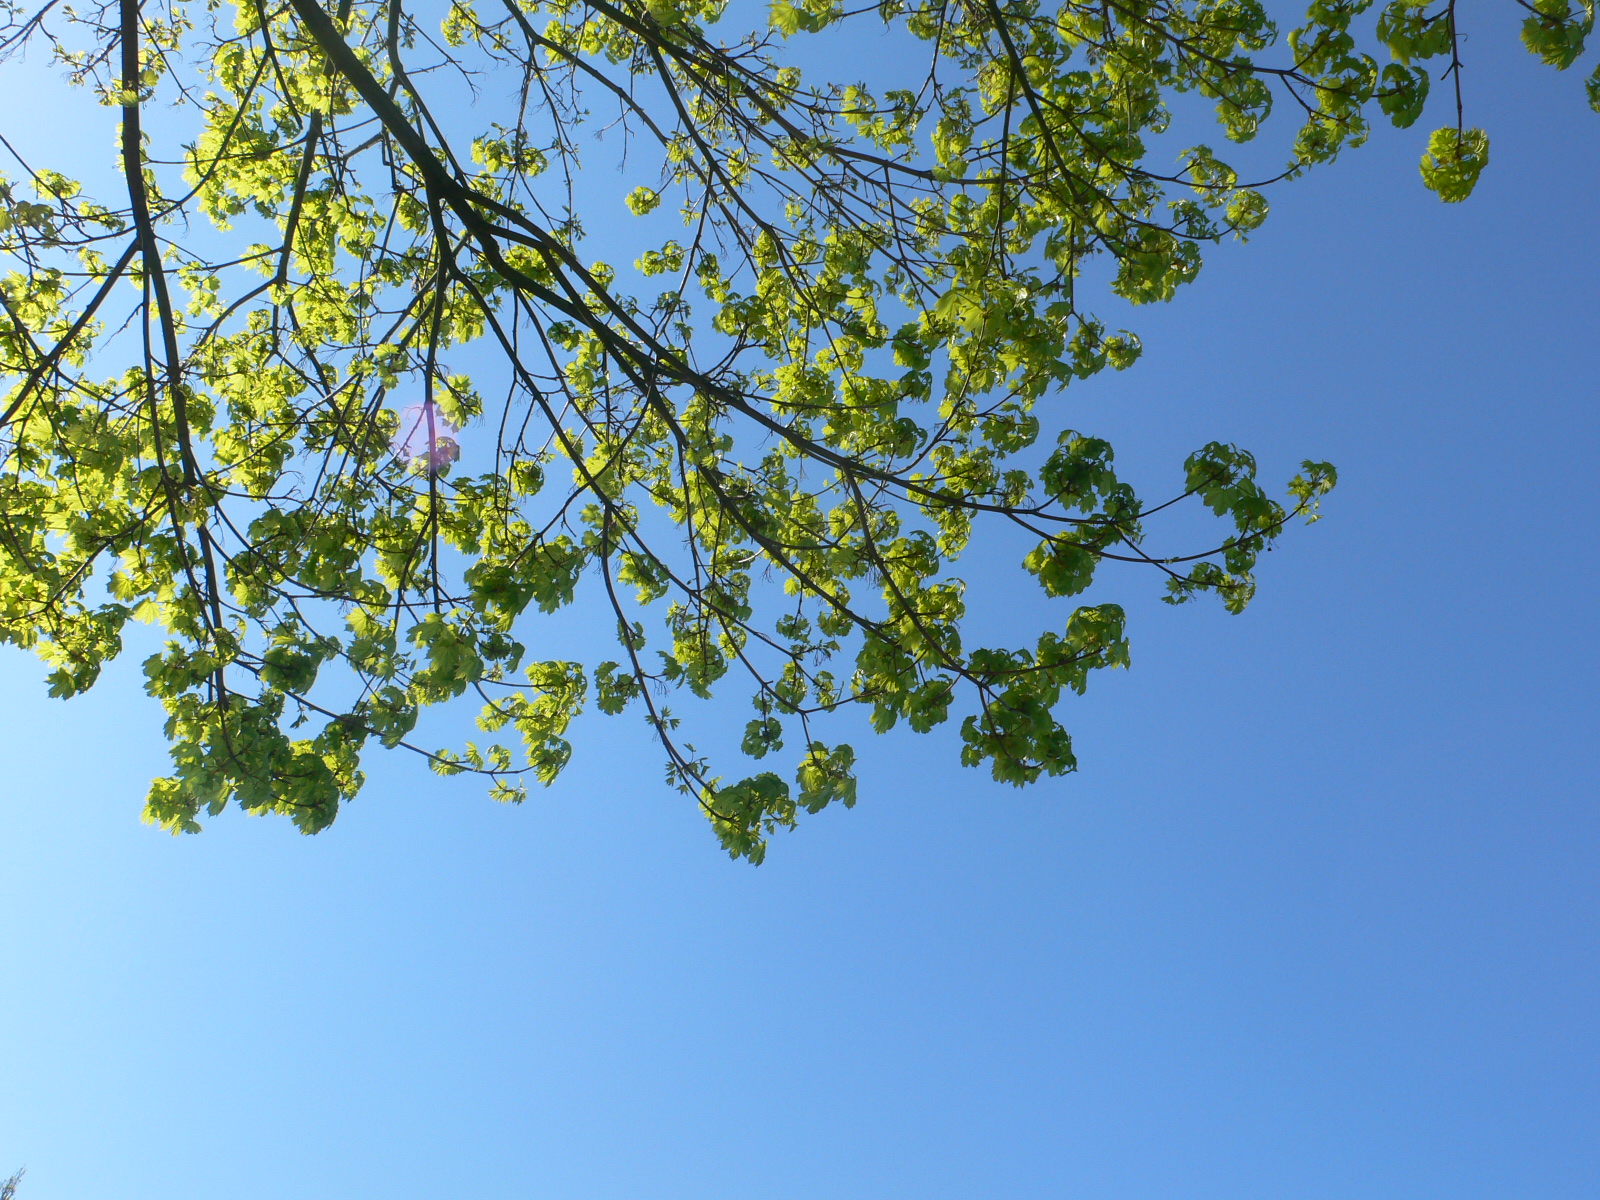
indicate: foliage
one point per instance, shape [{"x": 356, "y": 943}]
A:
[{"x": 854, "y": 309}]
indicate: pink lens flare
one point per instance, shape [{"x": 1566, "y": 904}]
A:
[{"x": 425, "y": 438}]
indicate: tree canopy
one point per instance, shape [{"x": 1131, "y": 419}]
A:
[{"x": 330, "y": 391}]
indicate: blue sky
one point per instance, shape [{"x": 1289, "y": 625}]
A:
[{"x": 1316, "y": 919}]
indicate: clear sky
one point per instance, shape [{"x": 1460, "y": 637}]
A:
[{"x": 1317, "y": 918}]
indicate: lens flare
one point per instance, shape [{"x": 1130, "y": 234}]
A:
[{"x": 426, "y": 439}]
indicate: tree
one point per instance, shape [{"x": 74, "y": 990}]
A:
[{"x": 331, "y": 394}]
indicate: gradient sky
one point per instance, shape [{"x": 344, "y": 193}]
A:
[{"x": 1317, "y": 918}]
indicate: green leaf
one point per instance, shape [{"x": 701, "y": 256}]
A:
[{"x": 1453, "y": 162}]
